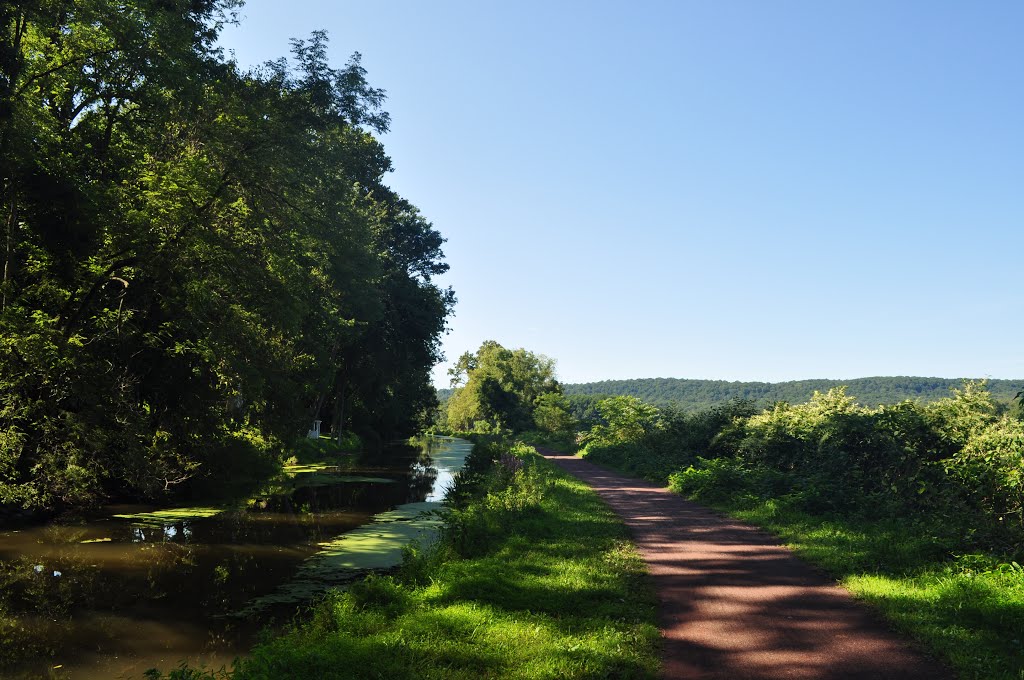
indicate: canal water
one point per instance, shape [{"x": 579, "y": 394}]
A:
[{"x": 140, "y": 587}]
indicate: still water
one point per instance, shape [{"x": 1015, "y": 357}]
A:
[{"x": 139, "y": 587}]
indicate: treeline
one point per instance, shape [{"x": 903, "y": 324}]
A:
[
  {"x": 957, "y": 461},
  {"x": 196, "y": 261},
  {"x": 694, "y": 395}
]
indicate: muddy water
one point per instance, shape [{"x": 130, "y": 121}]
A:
[{"x": 133, "y": 588}]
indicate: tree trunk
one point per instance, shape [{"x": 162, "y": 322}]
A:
[
  {"x": 12, "y": 218},
  {"x": 322, "y": 395},
  {"x": 341, "y": 411}
]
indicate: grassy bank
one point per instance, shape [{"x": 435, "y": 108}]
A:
[
  {"x": 533, "y": 578},
  {"x": 966, "y": 608}
]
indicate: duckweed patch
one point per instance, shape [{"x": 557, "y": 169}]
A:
[
  {"x": 299, "y": 468},
  {"x": 532, "y": 577},
  {"x": 169, "y": 516},
  {"x": 378, "y": 545}
]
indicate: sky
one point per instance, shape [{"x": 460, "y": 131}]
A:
[{"x": 725, "y": 189}]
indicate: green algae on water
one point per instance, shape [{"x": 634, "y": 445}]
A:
[
  {"x": 374, "y": 546},
  {"x": 299, "y": 468},
  {"x": 170, "y": 515},
  {"x": 377, "y": 545},
  {"x": 356, "y": 479}
]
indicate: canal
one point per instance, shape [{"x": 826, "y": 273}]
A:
[{"x": 131, "y": 588}]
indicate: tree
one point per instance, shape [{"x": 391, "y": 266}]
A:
[
  {"x": 195, "y": 260},
  {"x": 552, "y": 413},
  {"x": 626, "y": 420},
  {"x": 502, "y": 388}
]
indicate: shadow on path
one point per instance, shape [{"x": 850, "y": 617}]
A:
[{"x": 733, "y": 604}]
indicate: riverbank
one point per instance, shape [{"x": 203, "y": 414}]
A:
[{"x": 533, "y": 578}]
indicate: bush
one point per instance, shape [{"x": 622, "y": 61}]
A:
[
  {"x": 717, "y": 479},
  {"x": 510, "y": 486},
  {"x": 958, "y": 461}
]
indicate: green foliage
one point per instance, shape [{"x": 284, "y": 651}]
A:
[
  {"x": 501, "y": 391},
  {"x": 655, "y": 452},
  {"x": 959, "y": 460},
  {"x": 626, "y": 420},
  {"x": 195, "y": 262},
  {"x": 553, "y": 590},
  {"x": 564, "y": 441},
  {"x": 991, "y": 463},
  {"x": 718, "y": 479},
  {"x": 306, "y": 450},
  {"x": 552, "y": 414},
  {"x": 697, "y": 395},
  {"x": 514, "y": 487},
  {"x": 916, "y": 507}
]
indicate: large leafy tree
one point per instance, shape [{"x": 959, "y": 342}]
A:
[
  {"x": 499, "y": 388},
  {"x": 195, "y": 260}
]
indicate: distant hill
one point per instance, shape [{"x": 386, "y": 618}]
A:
[{"x": 692, "y": 395}]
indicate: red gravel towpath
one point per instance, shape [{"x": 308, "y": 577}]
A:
[{"x": 735, "y": 605}]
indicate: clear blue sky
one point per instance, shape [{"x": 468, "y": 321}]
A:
[{"x": 717, "y": 189}]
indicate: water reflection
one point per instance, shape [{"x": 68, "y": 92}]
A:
[{"x": 108, "y": 597}]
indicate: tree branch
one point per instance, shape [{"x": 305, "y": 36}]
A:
[
  {"x": 72, "y": 321},
  {"x": 54, "y": 69}
]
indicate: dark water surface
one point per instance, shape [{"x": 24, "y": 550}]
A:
[{"x": 110, "y": 597}]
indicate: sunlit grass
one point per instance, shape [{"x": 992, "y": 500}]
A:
[
  {"x": 967, "y": 609},
  {"x": 553, "y": 591}
]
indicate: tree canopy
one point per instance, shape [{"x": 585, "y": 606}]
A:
[
  {"x": 499, "y": 389},
  {"x": 197, "y": 260}
]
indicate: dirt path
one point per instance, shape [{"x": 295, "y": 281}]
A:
[{"x": 734, "y": 605}]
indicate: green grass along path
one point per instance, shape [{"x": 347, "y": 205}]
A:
[{"x": 733, "y": 604}]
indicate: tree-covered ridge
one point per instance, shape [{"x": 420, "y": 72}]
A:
[
  {"x": 693, "y": 395},
  {"x": 195, "y": 261}
]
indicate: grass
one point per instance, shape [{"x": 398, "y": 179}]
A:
[
  {"x": 305, "y": 450},
  {"x": 532, "y": 578},
  {"x": 967, "y": 609}
]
